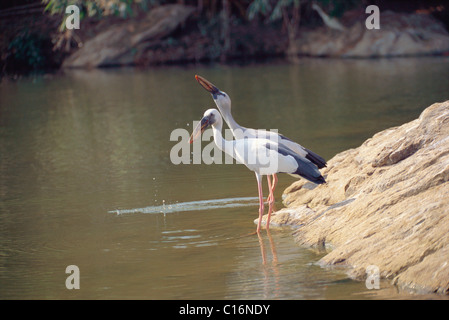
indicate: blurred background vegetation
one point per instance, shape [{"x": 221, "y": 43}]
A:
[{"x": 34, "y": 36}]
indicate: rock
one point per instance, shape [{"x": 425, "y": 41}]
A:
[
  {"x": 386, "y": 203},
  {"x": 400, "y": 34},
  {"x": 120, "y": 44}
]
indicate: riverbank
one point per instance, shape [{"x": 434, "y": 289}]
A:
[
  {"x": 165, "y": 35},
  {"x": 179, "y": 34},
  {"x": 386, "y": 203}
]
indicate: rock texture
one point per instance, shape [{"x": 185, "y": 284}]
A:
[
  {"x": 400, "y": 34},
  {"x": 153, "y": 39},
  {"x": 386, "y": 203},
  {"x": 121, "y": 44}
]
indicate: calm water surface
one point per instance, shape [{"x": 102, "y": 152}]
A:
[{"x": 86, "y": 177}]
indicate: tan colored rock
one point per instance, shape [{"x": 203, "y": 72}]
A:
[
  {"x": 400, "y": 34},
  {"x": 386, "y": 203},
  {"x": 121, "y": 44}
]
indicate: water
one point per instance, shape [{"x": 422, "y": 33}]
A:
[{"x": 86, "y": 177}]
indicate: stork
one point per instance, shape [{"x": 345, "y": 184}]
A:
[
  {"x": 223, "y": 102},
  {"x": 254, "y": 152}
]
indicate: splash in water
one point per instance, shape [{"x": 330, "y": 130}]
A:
[{"x": 193, "y": 206}]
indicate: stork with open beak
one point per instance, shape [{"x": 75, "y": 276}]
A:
[
  {"x": 223, "y": 102},
  {"x": 253, "y": 153}
]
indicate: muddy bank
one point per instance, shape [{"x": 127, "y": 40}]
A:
[{"x": 386, "y": 203}]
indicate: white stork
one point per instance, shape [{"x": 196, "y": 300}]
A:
[
  {"x": 254, "y": 153},
  {"x": 223, "y": 103}
]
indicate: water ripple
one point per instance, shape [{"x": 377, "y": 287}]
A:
[{"x": 193, "y": 206}]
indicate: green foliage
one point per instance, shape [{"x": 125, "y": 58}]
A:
[
  {"x": 336, "y": 8},
  {"x": 281, "y": 5},
  {"x": 269, "y": 10},
  {"x": 272, "y": 9},
  {"x": 27, "y": 50},
  {"x": 258, "y": 7},
  {"x": 99, "y": 8}
]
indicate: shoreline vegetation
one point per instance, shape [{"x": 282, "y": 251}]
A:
[{"x": 135, "y": 33}]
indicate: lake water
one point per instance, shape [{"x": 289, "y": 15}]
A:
[{"x": 86, "y": 177}]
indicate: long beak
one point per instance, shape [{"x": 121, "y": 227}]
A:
[
  {"x": 199, "y": 129},
  {"x": 206, "y": 84}
]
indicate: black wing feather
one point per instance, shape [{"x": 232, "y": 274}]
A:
[
  {"x": 306, "y": 168},
  {"x": 312, "y": 156}
]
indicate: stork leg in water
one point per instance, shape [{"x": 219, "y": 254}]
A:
[
  {"x": 261, "y": 205},
  {"x": 270, "y": 198}
]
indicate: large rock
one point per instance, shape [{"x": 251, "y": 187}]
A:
[
  {"x": 121, "y": 44},
  {"x": 400, "y": 34},
  {"x": 386, "y": 203}
]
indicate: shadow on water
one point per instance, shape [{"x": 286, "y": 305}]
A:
[{"x": 86, "y": 177}]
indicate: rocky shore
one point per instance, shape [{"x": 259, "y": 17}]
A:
[
  {"x": 386, "y": 203},
  {"x": 179, "y": 34},
  {"x": 169, "y": 34},
  {"x": 173, "y": 34},
  {"x": 400, "y": 35}
]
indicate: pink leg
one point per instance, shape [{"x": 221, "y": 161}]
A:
[
  {"x": 275, "y": 181},
  {"x": 269, "y": 188},
  {"x": 270, "y": 202},
  {"x": 272, "y": 186},
  {"x": 261, "y": 206}
]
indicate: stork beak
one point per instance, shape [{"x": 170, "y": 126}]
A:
[
  {"x": 199, "y": 129},
  {"x": 207, "y": 85}
]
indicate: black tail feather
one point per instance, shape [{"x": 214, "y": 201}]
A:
[
  {"x": 316, "y": 159},
  {"x": 320, "y": 180}
]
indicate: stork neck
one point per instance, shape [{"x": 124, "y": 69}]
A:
[
  {"x": 232, "y": 124},
  {"x": 222, "y": 144}
]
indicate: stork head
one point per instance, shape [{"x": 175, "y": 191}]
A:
[
  {"x": 210, "y": 118},
  {"x": 221, "y": 98}
]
